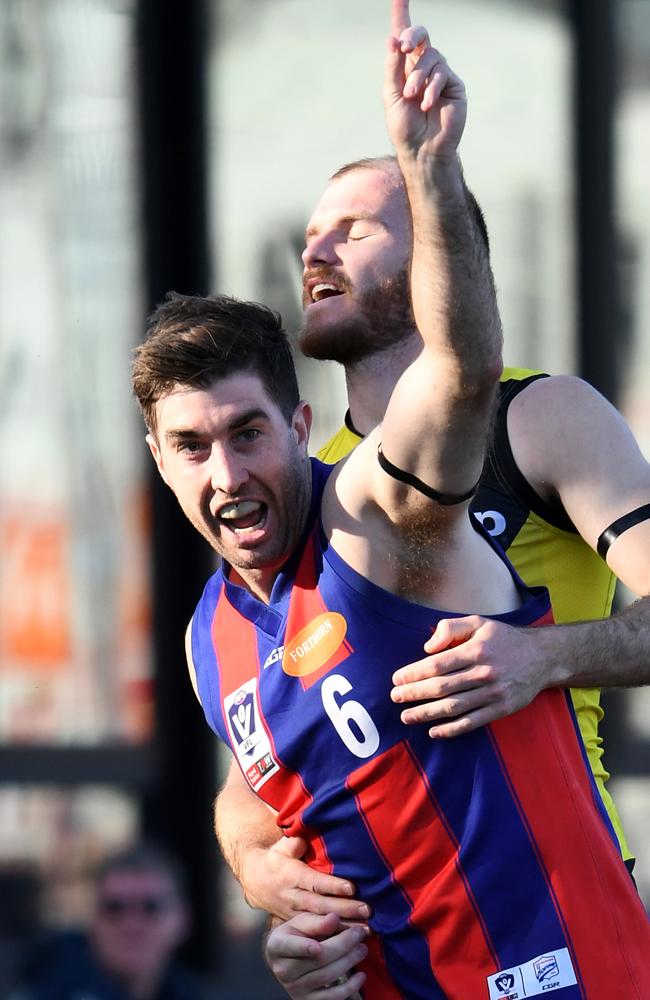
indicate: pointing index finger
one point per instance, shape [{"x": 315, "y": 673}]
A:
[{"x": 400, "y": 18}]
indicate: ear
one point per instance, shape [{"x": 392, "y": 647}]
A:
[
  {"x": 301, "y": 423},
  {"x": 157, "y": 457}
]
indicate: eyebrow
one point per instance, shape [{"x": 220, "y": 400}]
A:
[
  {"x": 177, "y": 435},
  {"x": 313, "y": 230}
]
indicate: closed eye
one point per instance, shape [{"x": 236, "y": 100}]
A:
[{"x": 360, "y": 229}]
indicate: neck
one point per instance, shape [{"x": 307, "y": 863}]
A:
[
  {"x": 260, "y": 584},
  {"x": 370, "y": 382}
]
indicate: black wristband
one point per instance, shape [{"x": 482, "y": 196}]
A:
[
  {"x": 617, "y": 528},
  {"x": 446, "y": 499}
]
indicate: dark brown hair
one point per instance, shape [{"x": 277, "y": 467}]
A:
[{"x": 193, "y": 340}]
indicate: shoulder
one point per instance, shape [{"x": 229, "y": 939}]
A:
[
  {"x": 189, "y": 658},
  {"x": 546, "y": 404},
  {"x": 560, "y": 425},
  {"x": 209, "y": 596}
]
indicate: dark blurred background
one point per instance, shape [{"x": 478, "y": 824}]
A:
[{"x": 147, "y": 145}]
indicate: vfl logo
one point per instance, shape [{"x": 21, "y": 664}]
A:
[
  {"x": 505, "y": 982},
  {"x": 314, "y": 644},
  {"x": 247, "y": 736},
  {"x": 546, "y": 967},
  {"x": 242, "y": 721}
]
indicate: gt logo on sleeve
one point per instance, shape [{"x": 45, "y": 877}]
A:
[{"x": 248, "y": 737}]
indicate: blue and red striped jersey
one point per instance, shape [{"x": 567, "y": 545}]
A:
[{"x": 488, "y": 860}]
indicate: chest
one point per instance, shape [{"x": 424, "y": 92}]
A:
[{"x": 310, "y": 689}]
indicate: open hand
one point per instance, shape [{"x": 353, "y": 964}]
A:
[
  {"x": 424, "y": 100},
  {"x": 478, "y": 670}
]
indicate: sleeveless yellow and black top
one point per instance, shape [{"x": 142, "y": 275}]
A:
[{"x": 545, "y": 548}]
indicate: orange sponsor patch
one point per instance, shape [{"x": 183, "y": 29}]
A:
[{"x": 313, "y": 646}]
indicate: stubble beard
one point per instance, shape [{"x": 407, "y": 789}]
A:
[
  {"x": 383, "y": 318},
  {"x": 291, "y": 501}
]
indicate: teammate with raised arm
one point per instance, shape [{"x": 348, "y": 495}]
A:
[
  {"x": 546, "y": 504},
  {"x": 332, "y": 577}
]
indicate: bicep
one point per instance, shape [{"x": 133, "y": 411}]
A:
[
  {"x": 241, "y": 819},
  {"x": 237, "y": 793},
  {"x": 436, "y": 426},
  {"x": 569, "y": 440}
]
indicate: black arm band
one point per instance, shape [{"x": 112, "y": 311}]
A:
[
  {"x": 446, "y": 499},
  {"x": 617, "y": 528}
]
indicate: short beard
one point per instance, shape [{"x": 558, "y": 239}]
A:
[{"x": 384, "y": 318}]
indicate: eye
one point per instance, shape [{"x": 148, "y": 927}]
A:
[
  {"x": 249, "y": 434},
  {"x": 191, "y": 448},
  {"x": 359, "y": 231}
]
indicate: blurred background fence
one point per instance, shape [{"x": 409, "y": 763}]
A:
[{"x": 147, "y": 145}]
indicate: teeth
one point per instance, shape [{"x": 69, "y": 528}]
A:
[
  {"x": 319, "y": 289},
  {"x": 241, "y": 509}
]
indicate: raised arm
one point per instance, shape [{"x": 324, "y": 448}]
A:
[{"x": 449, "y": 390}]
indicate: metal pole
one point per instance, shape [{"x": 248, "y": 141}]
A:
[
  {"x": 595, "y": 96},
  {"x": 171, "y": 51}
]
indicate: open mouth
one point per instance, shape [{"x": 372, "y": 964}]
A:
[
  {"x": 317, "y": 288},
  {"x": 244, "y": 516},
  {"x": 323, "y": 290}
]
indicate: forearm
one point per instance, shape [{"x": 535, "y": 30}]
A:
[
  {"x": 452, "y": 286},
  {"x": 614, "y": 652},
  {"x": 243, "y": 825},
  {"x": 268, "y": 865}
]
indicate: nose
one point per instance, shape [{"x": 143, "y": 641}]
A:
[
  {"x": 321, "y": 249},
  {"x": 227, "y": 471}
]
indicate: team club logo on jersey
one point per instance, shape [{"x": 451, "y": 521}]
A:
[
  {"x": 314, "y": 644},
  {"x": 248, "y": 737},
  {"x": 543, "y": 974}
]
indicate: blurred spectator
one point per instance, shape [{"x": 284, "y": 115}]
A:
[
  {"x": 141, "y": 915},
  {"x": 20, "y": 926}
]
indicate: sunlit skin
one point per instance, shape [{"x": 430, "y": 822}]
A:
[
  {"x": 355, "y": 279},
  {"x": 240, "y": 472},
  {"x": 134, "y": 946}
]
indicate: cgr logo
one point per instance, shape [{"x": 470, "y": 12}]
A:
[{"x": 546, "y": 967}]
